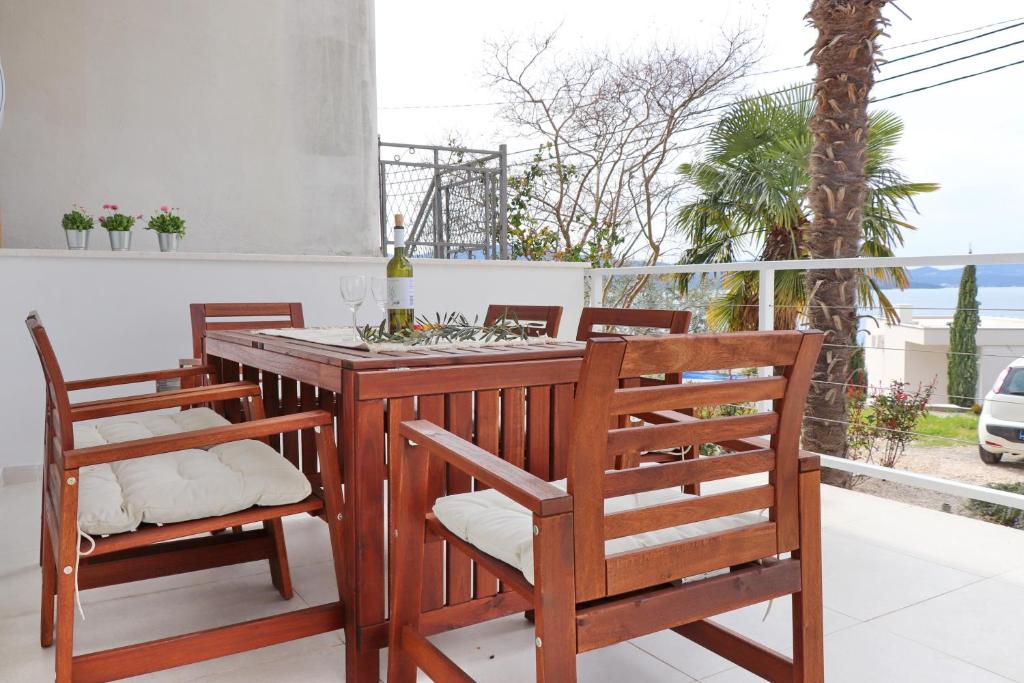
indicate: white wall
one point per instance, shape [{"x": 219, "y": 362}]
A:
[
  {"x": 115, "y": 313},
  {"x": 257, "y": 119}
]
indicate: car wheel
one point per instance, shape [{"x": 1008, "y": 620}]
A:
[{"x": 989, "y": 458}]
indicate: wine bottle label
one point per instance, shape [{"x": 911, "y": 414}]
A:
[{"x": 400, "y": 292}]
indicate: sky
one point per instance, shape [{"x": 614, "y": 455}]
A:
[{"x": 966, "y": 136}]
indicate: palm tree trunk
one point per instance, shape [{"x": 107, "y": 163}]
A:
[{"x": 845, "y": 57}]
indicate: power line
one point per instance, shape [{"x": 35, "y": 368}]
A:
[
  {"x": 534, "y": 149},
  {"x": 950, "y": 61},
  {"x": 956, "y": 42},
  {"x": 952, "y": 80},
  {"x": 468, "y": 105},
  {"x": 957, "y": 33}
]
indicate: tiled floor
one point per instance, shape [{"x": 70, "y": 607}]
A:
[{"x": 910, "y": 595}]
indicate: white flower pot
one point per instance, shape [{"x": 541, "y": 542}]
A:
[
  {"x": 77, "y": 239},
  {"x": 168, "y": 241},
  {"x": 120, "y": 240}
]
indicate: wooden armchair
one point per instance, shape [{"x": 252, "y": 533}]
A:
[
  {"x": 241, "y": 316},
  {"x": 550, "y": 316},
  {"x": 673, "y": 322},
  {"x": 136, "y": 538},
  {"x": 584, "y": 553}
]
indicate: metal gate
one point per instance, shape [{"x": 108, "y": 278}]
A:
[{"x": 454, "y": 200}]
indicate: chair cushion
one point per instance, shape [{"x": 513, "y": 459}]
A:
[
  {"x": 503, "y": 529},
  {"x": 179, "y": 486}
]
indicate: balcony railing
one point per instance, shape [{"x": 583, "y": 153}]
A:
[{"x": 598, "y": 279}]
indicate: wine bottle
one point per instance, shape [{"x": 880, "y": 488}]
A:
[{"x": 400, "y": 297}]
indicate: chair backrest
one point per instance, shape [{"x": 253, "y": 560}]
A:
[
  {"x": 549, "y": 315},
  {"x": 673, "y": 322},
  {"x": 600, "y": 400},
  {"x": 241, "y": 316},
  {"x": 58, "y": 405}
]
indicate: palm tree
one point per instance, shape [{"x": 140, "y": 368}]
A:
[
  {"x": 845, "y": 54},
  {"x": 752, "y": 185}
]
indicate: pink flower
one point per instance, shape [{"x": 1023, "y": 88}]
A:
[
  {"x": 165, "y": 209},
  {"x": 113, "y": 207},
  {"x": 106, "y": 206}
]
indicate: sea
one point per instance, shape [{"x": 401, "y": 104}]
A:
[{"x": 996, "y": 302}]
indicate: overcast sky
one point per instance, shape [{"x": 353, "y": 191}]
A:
[{"x": 967, "y": 136}]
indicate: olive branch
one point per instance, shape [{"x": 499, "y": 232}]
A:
[{"x": 451, "y": 328}]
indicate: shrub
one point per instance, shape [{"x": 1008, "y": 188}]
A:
[
  {"x": 1000, "y": 514},
  {"x": 117, "y": 222},
  {"x": 167, "y": 221},
  {"x": 880, "y": 430},
  {"x": 77, "y": 219}
]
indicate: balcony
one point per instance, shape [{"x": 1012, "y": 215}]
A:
[{"x": 911, "y": 594}]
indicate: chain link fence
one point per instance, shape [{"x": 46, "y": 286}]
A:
[{"x": 454, "y": 199}]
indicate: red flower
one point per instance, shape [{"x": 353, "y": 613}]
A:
[
  {"x": 106, "y": 206},
  {"x": 165, "y": 209},
  {"x": 113, "y": 207}
]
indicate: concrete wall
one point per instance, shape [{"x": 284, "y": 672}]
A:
[
  {"x": 257, "y": 119},
  {"x": 114, "y": 313},
  {"x": 921, "y": 364}
]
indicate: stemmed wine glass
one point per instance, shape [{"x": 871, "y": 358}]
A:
[
  {"x": 353, "y": 292},
  {"x": 379, "y": 292}
]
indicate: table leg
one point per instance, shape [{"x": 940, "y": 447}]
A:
[{"x": 362, "y": 427}]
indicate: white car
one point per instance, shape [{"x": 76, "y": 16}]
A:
[{"x": 1001, "y": 426}]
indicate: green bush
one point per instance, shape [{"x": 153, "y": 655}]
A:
[
  {"x": 167, "y": 222},
  {"x": 77, "y": 219},
  {"x": 1000, "y": 514}
]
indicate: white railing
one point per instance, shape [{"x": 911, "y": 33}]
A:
[{"x": 766, "y": 321}]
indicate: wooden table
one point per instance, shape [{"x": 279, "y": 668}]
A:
[{"x": 512, "y": 401}]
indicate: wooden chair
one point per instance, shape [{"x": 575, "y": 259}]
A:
[
  {"x": 593, "y": 576},
  {"x": 673, "y": 322},
  {"x": 241, "y": 316},
  {"x": 550, "y": 316},
  {"x": 72, "y": 471}
]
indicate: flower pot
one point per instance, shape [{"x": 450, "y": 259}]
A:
[
  {"x": 77, "y": 239},
  {"x": 168, "y": 241},
  {"x": 120, "y": 240}
]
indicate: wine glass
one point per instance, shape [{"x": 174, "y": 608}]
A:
[
  {"x": 379, "y": 292},
  {"x": 353, "y": 292}
]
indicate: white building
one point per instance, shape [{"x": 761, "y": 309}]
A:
[
  {"x": 915, "y": 351},
  {"x": 257, "y": 119}
]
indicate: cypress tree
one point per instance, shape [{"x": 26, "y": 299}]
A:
[{"x": 963, "y": 345}]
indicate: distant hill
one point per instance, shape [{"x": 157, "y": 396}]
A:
[{"x": 1010, "y": 275}]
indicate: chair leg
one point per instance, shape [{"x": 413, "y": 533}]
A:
[
  {"x": 554, "y": 599},
  {"x": 49, "y": 592},
  {"x": 279, "y": 572},
  {"x": 808, "y": 629},
  {"x": 66, "y": 571},
  {"x": 409, "y": 474}
]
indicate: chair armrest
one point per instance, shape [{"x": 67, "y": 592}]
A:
[
  {"x": 191, "y": 363},
  {"x": 139, "y": 377},
  {"x": 141, "y": 403},
  {"x": 127, "y": 450},
  {"x": 532, "y": 492}
]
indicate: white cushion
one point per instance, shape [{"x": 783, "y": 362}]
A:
[
  {"x": 503, "y": 529},
  {"x": 179, "y": 486}
]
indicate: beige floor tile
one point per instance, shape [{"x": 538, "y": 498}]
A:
[
  {"x": 867, "y": 654},
  {"x": 980, "y": 623}
]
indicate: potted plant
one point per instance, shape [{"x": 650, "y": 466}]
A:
[
  {"x": 119, "y": 227},
  {"x": 77, "y": 224},
  {"x": 169, "y": 228}
]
